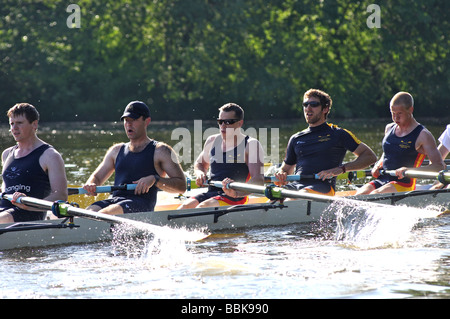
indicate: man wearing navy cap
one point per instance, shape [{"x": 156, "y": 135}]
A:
[{"x": 142, "y": 161}]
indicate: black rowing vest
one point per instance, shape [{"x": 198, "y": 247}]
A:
[
  {"x": 229, "y": 164},
  {"x": 25, "y": 175},
  {"x": 132, "y": 166},
  {"x": 401, "y": 151}
]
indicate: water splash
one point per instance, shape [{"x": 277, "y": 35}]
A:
[
  {"x": 163, "y": 248},
  {"x": 370, "y": 226}
]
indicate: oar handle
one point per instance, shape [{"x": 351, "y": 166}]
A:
[
  {"x": 9, "y": 197},
  {"x": 387, "y": 172},
  {"x": 290, "y": 178},
  {"x": 442, "y": 176},
  {"x": 102, "y": 189}
]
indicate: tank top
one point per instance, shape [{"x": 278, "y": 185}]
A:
[
  {"x": 401, "y": 151},
  {"x": 229, "y": 164},
  {"x": 131, "y": 166},
  {"x": 25, "y": 175}
]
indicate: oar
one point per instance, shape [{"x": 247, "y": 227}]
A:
[
  {"x": 346, "y": 175},
  {"x": 101, "y": 189},
  {"x": 66, "y": 210},
  {"x": 442, "y": 176},
  {"x": 191, "y": 184},
  {"x": 273, "y": 192}
]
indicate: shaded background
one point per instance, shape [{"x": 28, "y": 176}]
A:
[{"x": 186, "y": 58}]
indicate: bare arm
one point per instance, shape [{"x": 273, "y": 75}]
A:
[
  {"x": 426, "y": 144},
  {"x": 53, "y": 163},
  {"x": 167, "y": 164},
  {"x": 103, "y": 171},
  {"x": 254, "y": 158},
  {"x": 201, "y": 165},
  {"x": 4, "y": 157}
]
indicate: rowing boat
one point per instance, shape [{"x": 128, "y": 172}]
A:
[{"x": 260, "y": 211}]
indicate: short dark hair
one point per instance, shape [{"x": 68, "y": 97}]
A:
[
  {"x": 233, "y": 107},
  {"x": 30, "y": 112}
]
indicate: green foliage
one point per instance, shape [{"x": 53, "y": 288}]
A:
[{"x": 186, "y": 58}]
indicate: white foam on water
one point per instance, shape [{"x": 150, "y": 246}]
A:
[
  {"x": 157, "y": 247},
  {"x": 372, "y": 226}
]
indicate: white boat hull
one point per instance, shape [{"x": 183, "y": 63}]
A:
[{"x": 294, "y": 211}]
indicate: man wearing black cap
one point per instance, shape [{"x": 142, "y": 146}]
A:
[{"x": 143, "y": 161}]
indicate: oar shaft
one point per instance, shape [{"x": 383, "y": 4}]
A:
[
  {"x": 72, "y": 211},
  {"x": 75, "y": 211},
  {"x": 290, "y": 178},
  {"x": 276, "y": 191},
  {"x": 101, "y": 189},
  {"x": 441, "y": 176}
]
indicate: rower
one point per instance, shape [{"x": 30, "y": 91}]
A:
[
  {"x": 405, "y": 145},
  {"x": 232, "y": 156},
  {"x": 149, "y": 164},
  {"x": 30, "y": 168},
  {"x": 320, "y": 149}
]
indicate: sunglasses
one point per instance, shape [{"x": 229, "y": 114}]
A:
[
  {"x": 312, "y": 104},
  {"x": 227, "y": 122}
]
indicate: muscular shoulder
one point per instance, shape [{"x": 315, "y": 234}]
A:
[
  {"x": 6, "y": 153},
  {"x": 252, "y": 142},
  {"x": 388, "y": 127},
  {"x": 51, "y": 158},
  {"x": 114, "y": 149},
  {"x": 51, "y": 153},
  {"x": 162, "y": 150},
  {"x": 425, "y": 136},
  {"x": 211, "y": 139}
]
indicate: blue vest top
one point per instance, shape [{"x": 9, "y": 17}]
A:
[
  {"x": 132, "y": 166},
  {"x": 25, "y": 175},
  {"x": 401, "y": 151},
  {"x": 229, "y": 164}
]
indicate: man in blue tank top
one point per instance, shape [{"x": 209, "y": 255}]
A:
[
  {"x": 320, "y": 149},
  {"x": 30, "y": 168},
  {"x": 149, "y": 164},
  {"x": 230, "y": 156},
  {"x": 405, "y": 145}
]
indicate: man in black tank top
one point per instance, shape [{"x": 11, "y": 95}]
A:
[
  {"x": 30, "y": 168},
  {"x": 230, "y": 156},
  {"x": 406, "y": 143},
  {"x": 142, "y": 161}
]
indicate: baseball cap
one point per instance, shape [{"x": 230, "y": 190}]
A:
[{"x": 135, "y": 110}]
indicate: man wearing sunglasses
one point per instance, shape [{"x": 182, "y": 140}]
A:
[
  {"x": 230, "y": 156},
  {"x": 320, "y": 149}
]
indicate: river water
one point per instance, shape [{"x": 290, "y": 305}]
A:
[{"x": 398, "y": 257}]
